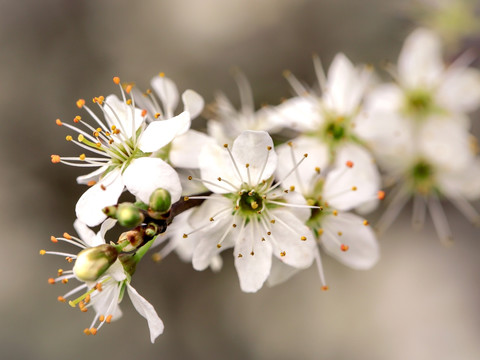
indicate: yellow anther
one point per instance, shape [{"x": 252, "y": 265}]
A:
[
  {"x": 161, "y": 74},
  {"x": 61, "y": 299},
  {"x": 303, "y": 238},
  {"x": 129, "y": 102},
  {"x": 283, "y": 253},
  {"x": 185, "y": 236},
  {"x": 42, "y": 252},
  {"x": 59, "y": 122},
  {"x": 82, "y": 157},
  {"x": 339, "y": 233},
  {"x": 219, "y": 246},
  {"x": 335, "y": 212},
  {"x": 320, "y": 231},
  {"x": 292, "y": 188},
  {"x": 60, "y": 272},
  {"x": 366, "y": 223},
  {"x": 55, "y": 159},
  {"x": 254, "y": 205},
  {"x": 64, "y": 281},
  {"x": 186, "y": 198},
  {"x": 80, "y": 103},
  {"x": 354, "y": 188},
  {"x": 101, "y": 318},
  {"x": 272, "y": 221},
  {"x": 225, "y": 145},
  {"x": 80, "y": 138},
  {"x": 317, "y": 170},
  {"x": 68, "y": 138},
  {"x": 269, "y": 148},
  {"x": 247, "y": 165},
  {"x": 157, "y": 115}
]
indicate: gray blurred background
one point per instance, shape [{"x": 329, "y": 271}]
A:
[{"x": 422, "y": 301}]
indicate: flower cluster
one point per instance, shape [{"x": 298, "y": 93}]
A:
[{"x": 277, "y": 202}]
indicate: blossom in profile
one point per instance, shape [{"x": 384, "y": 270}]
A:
[
  {"x": 248, "y": 212},
  {"x": 228, "y": 122},
  {"x": 334, "y": 190},
  {"x": 121, "y": 149},
  {"x": 103, "y": 278}
]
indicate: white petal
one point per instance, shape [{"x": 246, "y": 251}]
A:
[
  {"x": 186, "y": 148},
  {"x": 145, "y": 309},
  {"x": 304, "y": 177},
  {"x": 253, "y": 269},
  {"x": 85, "y": 233},
  {"x": 116, "y": 271},
  {"x": 162, "y": 132},
  {"x": 215, "y": 162},
  {"x": 340, "y": 182},
  {"x": 106, "y": 225},
  {"x": 145, "y": 175},
  {"x": 287, "y": 232},
  {"x": 193, "y": 103},
  {"x": 345, "y": 85},
  {"x": 460, "y": 90},
  {"x": 105, "y": 302},
  {"x": 93, "y": 176},
  {"x": 445, "y": 142},
  {"x": 280, "y": 272},
  {"x": 300, "y": 113},
  {"x": 363, "y": 250},
  {"x": 106, "y": 192},
  {"x": 251, "y": 148},
  {"x": 420, "y": 62},
  {"x": 167, "y": 92}
]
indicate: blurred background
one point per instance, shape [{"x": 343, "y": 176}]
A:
[{"x": 422, "y": 301}]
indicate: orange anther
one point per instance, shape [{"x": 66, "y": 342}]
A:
[
  {"x": 51, "y": 281},
  {"x": 77, "y": 119},
  {"x": 116, "y": 80},
  {"x": 53, "y": 239},
  {"x": 87, "y": 298},
  {"x": 91, "y": 183},
  {"x": 80, "y": 103},
  {"x": 69, "y": 259},
  {"x": 344, "y": 247},
  {"x": 55, "y": 159},
  {"x": 144, "y": 112},
  {"x": 67, "y": 236},
  {"x": 283, "y": 253},
  {"x": 87, "y": 332},
  {"x": 349, "y": 164},
  {"x": 61, "y": 299},
  {"x": 60, "y": 272},
  {"x": 93, "y": 331},
  {"x": 129, "y": 102},
  {"x": 128, "y": 89},
  {"x": 108, "y": 320},
  {"x": 101, "y": 318},
  {"x": 381, "y": 195},
  {"x": 58, "y": 122},
  {"x": 366, "y": 223},
  {"x": 161, "y": 74},
  {"x": 103, "y": 187},
  {"x": 157, "y": 115},
  {"x": 64, "y": 281},
  {"x": 325, "y": 287}
]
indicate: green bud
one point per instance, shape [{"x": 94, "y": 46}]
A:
[
  {"x": 130, "y": 240},
  {"x": 110, "y": 211},
  {"x": 92, "y": 263},
  {"x": 160, "y": 201},
  {"x": 129, "y": 215}
]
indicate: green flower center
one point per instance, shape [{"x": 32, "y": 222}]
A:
[
  {"x": 419, "y": 103},
  {"x": 422, "y": 175},
  {"x": 250, "y": 203}
]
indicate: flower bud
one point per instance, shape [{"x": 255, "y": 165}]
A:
[
  {"x": 92, "y": 263},
  {"x": 129, "y": 215},
  {"x": 110, "y": 211},
  {"x": 130, "y": 240},
  {"x": 160, "y": 201}
]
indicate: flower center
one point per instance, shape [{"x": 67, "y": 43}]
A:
[
  {"x": 419, "y": 103},
  {"x": 250, "y": 202},
  {"x": 422, "y": 174}
]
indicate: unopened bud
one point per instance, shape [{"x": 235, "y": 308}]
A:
[
  {"x": 160, "y": 201},
  {"x": 110, "y": 211},
  {"x": 92, "y": 263},
  {"x": 129, "y": 215},
  {"x": 130, "y": 240}
]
